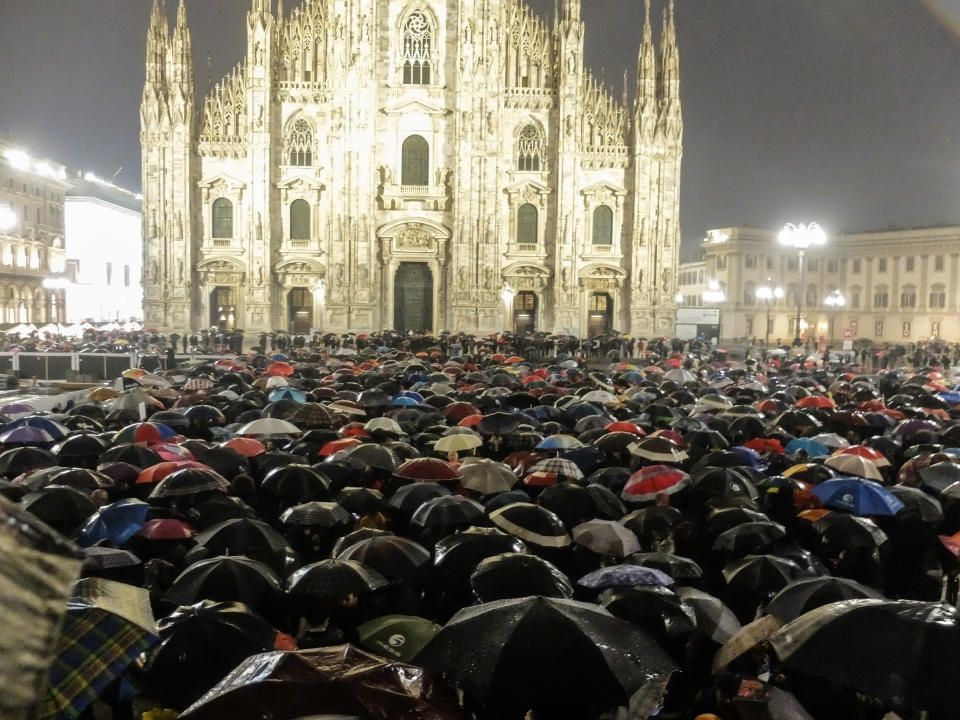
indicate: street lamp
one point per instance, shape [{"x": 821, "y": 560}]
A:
[
  {"x": 800, "y": 237},
  {"x": 834, "y": 300},
  {"x": 714, "y": 294},
  {"x": 767, "y": 293}
]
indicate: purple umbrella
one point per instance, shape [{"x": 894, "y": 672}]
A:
[
  {"x": 26, "y": 435},
  {"x": 17, "y": 409}
]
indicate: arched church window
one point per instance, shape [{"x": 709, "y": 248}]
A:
[
  {"x": 222, "y": 218},
  {"x": 527, "y": 217},
  {"x": 299, "y": 220},
  {"x": 417, "y": 38},
  {"x": 603, "y": 226},
  {"x": 530, "y": 149},
  {"x": 300, "y": 144},
  {"x": 415, "y": 166}
]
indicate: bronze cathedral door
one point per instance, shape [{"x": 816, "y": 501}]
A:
[{"x": 413, "y": 297}]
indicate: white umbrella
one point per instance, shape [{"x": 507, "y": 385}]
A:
[{"x": 269, "y": 427}]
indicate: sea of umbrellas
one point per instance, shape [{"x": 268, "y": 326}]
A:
[{"x": 388, "y": 536}]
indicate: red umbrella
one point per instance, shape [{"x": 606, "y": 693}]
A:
[
  {"x": 427, "y": 469},
  {"x": 459, "y": 410},
  {"x": 335, "y": 446},
  {"x": 648, "y": 482},
  {"x": 166, "y": 529},
  {"x": 470, "y": 420},
  {"x": 815, "y": 401},
  {"x": 156, "y": 473},
  {"x": 624, "y": 426},
  {"x": 248, "y": 447},
  {"x": 762, "y": 445},
  {"x": 540, "y": 479}
]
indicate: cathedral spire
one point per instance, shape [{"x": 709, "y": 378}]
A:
[
  {"x": 181, "y": 53},
  {"x": 157, "y": 39},
  {"x": 646, "y": 67},
  {"x": 571, "y": 10}
]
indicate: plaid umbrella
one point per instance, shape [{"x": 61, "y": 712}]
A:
[
  {"x": 199, "y": 384},
  {"x": 312, "y": 414},
  {"x": 559, "y": 466},
  {"x": 107, "y": 626}
]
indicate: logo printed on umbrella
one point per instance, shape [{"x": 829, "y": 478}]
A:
[
  {"x": 396, "y": 641},
  {"x": 847, "y": 497}
]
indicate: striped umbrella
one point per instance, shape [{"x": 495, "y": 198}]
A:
[{"x": 645, "y": 484}]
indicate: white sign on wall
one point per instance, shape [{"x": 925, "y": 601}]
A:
[{"x": 698, "y": 316}]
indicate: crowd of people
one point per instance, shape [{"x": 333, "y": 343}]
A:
[{"x": 500, "y": 528}]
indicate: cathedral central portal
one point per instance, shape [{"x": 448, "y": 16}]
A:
[{"x": 413, "y": 297}]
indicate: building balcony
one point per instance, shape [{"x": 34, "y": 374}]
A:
[
  {"x": 526, "y": 250},
  {"x": 431, "y": 197}
]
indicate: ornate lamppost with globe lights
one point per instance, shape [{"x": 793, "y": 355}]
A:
[
  {"x": 768, "y": 293},
  {"x": 800, "y": 237}
]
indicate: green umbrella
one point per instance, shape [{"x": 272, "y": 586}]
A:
[{"x": 398, "y": 637}]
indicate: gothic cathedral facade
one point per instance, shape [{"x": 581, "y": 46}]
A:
[{"x": 410, "y": 165}]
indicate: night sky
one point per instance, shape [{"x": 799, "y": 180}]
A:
[{"x": 841, "y": 111}]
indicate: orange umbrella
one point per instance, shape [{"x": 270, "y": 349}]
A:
[
  {"x": 624, "y": 426},
  {"x": 813, "y": 514},
  {"x": 335, "y": 446},
  {"x": 762, "y": 445},
  {"x": 540, "y": 479},
  {"x": 868, "y": 453},
  {"x": 280, "y": 368},
  {"x": 248, "y": 447},
  {"x": 156, "y": 473},
  {"x": 470, "y": 420},
  {"x": 513, "y": 359}
]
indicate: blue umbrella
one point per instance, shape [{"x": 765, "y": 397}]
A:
[
  {"x": 403, "y": 402},
  {"x": 624, "y": 576},
  {"x": 383, "y": 349},
  {"x": 56, "y": 430},
  {"x": 951, "y": 396},
  {"x": 587, "y": 458},
  {"x": 559, "y": 442},
  {"x": 26, "y": 435},
  {"x": 278, "y": 356},
  {"x": 813, "y": 449},
  {"x": 117, "y": 522},
  {"x": 582, "y": 410},
  {"x": 411, "y": 378},
  {"x": 288, "y": 393},
  {"x": 858, "y": 496},
  {"x": 749, "y": 456},
  {"x": 410, "y": 394}
]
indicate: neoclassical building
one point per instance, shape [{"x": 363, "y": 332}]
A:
[{"x": 410, "y": 165}]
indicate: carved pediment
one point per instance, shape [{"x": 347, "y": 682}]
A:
[
  {"x": 222, "y": 271},
  {"x": 525, "y": 269},
  {"x": 413, "y": 106},
  {"x": 301, "y": 183},
  {"x": 222, "y": 183},
  {"x": 301, "y": 267},
  {"x": 603, "y": 193},
  {"x": 526, "y": 188}
]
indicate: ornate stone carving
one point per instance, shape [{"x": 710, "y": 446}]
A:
[{"x": 414, "y": 236}]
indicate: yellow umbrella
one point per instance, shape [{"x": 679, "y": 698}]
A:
[
  {"x": 101, "y": 394},
  {"x": 134, "y": 373}
]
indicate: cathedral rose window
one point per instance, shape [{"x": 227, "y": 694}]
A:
[
  {"x": 300, "y": 144},
  {"x": 530, "y": 149},
  {"x": 417, "y": 36}
]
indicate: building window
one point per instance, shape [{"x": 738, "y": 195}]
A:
[
  {"x": 878, "y": 328},
  {"x": 812, "y": 296},
  {"x": 856, "y": 266},
  {"x": 126, "y": 276},
  {"x": 603, "y": 226},
  {"x": 909, "y": 264},
  {"x": 299, "y": 220},
  {"x": 908, "y": 298},
  {"x": 749, "y": 297},
  {"x": 417, "y": 36},
  {"x": 812, "y": 264},
  {"x": 881, "y": 299},
  {"x": 938, "y": 263},
  {"x": 938, "y": 296},
  {"x": 769, "y": 263},
  {"x": 300, "y": 144},
  {"x": 721, "y": 262},
  {"x": 109, "y": 273},
  {"x": 881, "y": 264},
  {"x": 749, "y": 261},
  {"x": 222, "y": 218},
  {"x": 749, "y": 328},
  {"x": 415, "y": 166},
  {"x": 853, "y": 327},
  {"x": 792, "y": 264},
  {"x": 530, "y": 149},
  {"x": 855, "y": 299},
  {"x": 527, "y": 217},
  {"x": 832, "y": 265}
]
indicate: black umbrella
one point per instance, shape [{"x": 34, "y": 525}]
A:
[
  {"x": 726, "y": 518},
  {"x": 676, "y": 566},
  {"x": 371, "y": 455},
  {"x": 62, "y": 508},
  {"x": 79, "y": 478},
  {"x": 570, "y": 502},
  {"x": 317, "y": 514},
  {"x": 540, "y": 653},
  {"x": 750, "y": 537},
  {"x": 189, "y": 481},
  {"x": 805, "y": 594},
  {"x": 81, "y": 450},
  {"x": 532, "y": 524},
  {"x": 137, "y": 455},
  {"x": 17, "y": 461},
  {"x": 394, "y": 557},
  {"x": 752, "y": 580},
  {"x": 409, "y": 497},
  {"x": 499, "y": 423},
  {"x": 516, "y": 575},
  {"x": 352, "y": 538},
  {"x": 253, "y": 538},
  {"x": 233, "y": 578},
  {"x": 334, "y": 579},
  {"x": 904, "y": 650},
  {"x": 361, "y": 500},
  {"x": 226, "y": 461},
  {"x": 296, "y": 483},
  {"x": 656, "y": 609},
  {"x": 456, "y": 556},
  {"x": 447, "y": 513},
  {"x": 646, "y": 522},
  {"x": 199, "y": 645}
]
